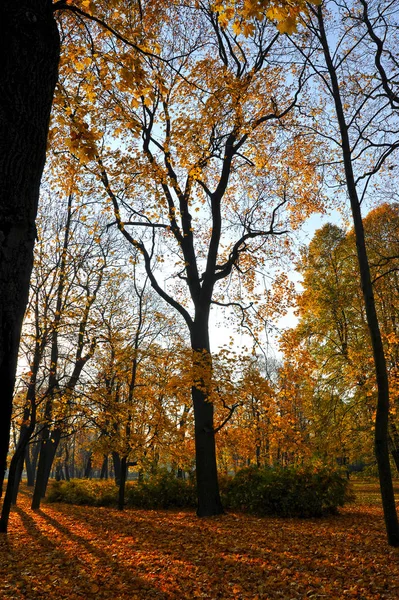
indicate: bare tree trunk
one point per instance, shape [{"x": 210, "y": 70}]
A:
[
  {"x": 104, "y": 468},
  {"x": 88, "y": 467},
  {"x": 209, "y": 502},
  {"x": 117, "y": 467},
  {"x": 18, "y": 477},
  {"x": 30, "y": 474},
  {"x": 66, "y": 463},
  {"x": 393, "y": 440},
  {"x": 20, "y": 465},
  {"x": 122, "y": 483},
  {"x": 39, "y": 490},
  {"x": 15, "y": 461},
  {"x": 29, "y": 54}
]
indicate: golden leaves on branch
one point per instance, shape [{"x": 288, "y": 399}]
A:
[
  {"x": 83, "y": 141},
  {"x": 240, "y": 13}
]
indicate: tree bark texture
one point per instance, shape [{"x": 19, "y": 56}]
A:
[
  {"x": 32, "y": 455},
  {"x": 122, "y": 483},
  {"x": 29, "y": 54},
  {"x": 117, "y": 467},
  {"x": 104, "y": 468},
  {"x": 209, "y": 502},
  {"x": 393, "y": 441}
]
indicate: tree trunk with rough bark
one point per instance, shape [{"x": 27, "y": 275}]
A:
[
  {"x": 30, "y": 472},
  {"x": 104, "y": 468},
  {"x": 209, "y": 502},
  {"x": 393, "y": 440},
  {"x": 122, "y": 483},
  {"x": 16, "y": 460},
  {"x": 117, "y": 467},
  {"x": 29, "y": 54},
  {"x": 89, "y": 465}
]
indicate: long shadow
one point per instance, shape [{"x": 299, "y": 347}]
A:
[
  {"x": 228, "y": 557},
  {"x": 114, "y": 580},
  {"x": 36, "y": 567},
  {"x": 220, "y": 555}
]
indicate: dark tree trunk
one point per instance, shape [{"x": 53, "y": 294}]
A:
[
  {"x": 34, "y": 459},
  {"x": 59, "y": 472},
  {"x": 117, "y": 467},
  {"x": 15, "y": 461},
  {"x": 18, "y": 477},
  {"x": 394, "y": 452},
  {"x": 20, "y": 465},
  {"x": 209, "y": 502},
  {"x": 66, "y": 463},
  {"x": 29, "y": 54},
  {"x": 10, "y": 487},
  {"x": 257, "y": 455},
  {"x": 382, "y": 412},
  {"x": 40, "y": 489},
  {"x": 88, "y": 467},
  {"x": 28, "y": 417},
  {"x": 30, "y": 472},
  {"x": 72, "y": 465},
  {"x": 122, "y": 483},
  {"x": 50, "y": 452},
  {"x": 104, "y": 468},
  {"x": 393, "y": 440}
]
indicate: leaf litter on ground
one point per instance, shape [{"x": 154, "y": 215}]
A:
[{"x": 83, "y": 553}]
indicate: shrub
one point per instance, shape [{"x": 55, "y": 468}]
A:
[
  {"x": 162, "y": 490},
  {"x": 289, "y": 492},
  {"x": 83, "y": 491}
]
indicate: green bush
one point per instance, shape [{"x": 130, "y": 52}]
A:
[
  {"x": 162, "y": 490},
  {"x": 289, "y": 492},
  {"x": 83, "y": 491}
]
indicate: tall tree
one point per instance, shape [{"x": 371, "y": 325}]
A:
[
  {"x": 207, "y": 175},
  {"x": 58, "y": 332},
  {"x": 29, "y": 53},
  {"x": 332, "y": 328},
  {"x": 364, "y": 136}
]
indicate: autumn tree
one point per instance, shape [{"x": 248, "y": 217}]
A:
[
  {"x": 268, "y": 427},
  {"x": 124, "y": 387},
  {"x": 81, "y": 261},
  {"x": 330, "y": 344},
  {"x": 333, "y": 329},
  {"x": 208, "y": 171},
  {"x": 150, "y": 427},
  {"x": 363, "y": 133},
  {"x": 58, "y": 334},
  {"x": 30, "y": 52}
]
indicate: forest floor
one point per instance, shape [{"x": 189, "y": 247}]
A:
[{"x": 85, "y": 553}]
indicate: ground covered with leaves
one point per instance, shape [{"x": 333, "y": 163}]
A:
[{"x": 78, "y": 553}]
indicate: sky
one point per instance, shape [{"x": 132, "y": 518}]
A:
[{"x": 221, "y": 333}]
